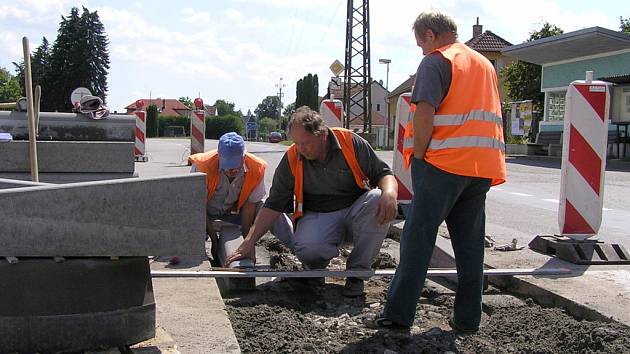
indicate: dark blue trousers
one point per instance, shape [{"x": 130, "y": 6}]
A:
[{"x": 460, "y": 201}]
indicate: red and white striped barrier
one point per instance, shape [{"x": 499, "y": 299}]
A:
[
  {"x": 197, "y": 128},
  {"x": 141, "y": 130},
  {"x": 583, "y": 158},
  {"x": 404, "y": 115},
  {"x": 331, "y": 111}
]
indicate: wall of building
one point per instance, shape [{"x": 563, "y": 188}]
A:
[{"x": 562, "y": 74}]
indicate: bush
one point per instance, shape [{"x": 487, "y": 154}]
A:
[
  {"x": 152, "y": 121},
  {"x": 217, "y": 126},
  {"x": 179, "y": 121}
]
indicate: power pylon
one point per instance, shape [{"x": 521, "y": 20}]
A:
[{"x": 357, "y": 76}]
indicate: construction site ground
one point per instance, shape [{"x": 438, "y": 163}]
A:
[{"x": 587, "y": 311}]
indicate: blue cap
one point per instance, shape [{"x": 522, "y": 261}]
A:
[{"x": 231, "y": 151}]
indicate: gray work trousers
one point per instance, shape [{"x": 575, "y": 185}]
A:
[{"x": 319, "y": 235}]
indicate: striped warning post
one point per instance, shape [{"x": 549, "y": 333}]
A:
[
  {"x": 583, "y": 158},
  {"x": 404, "y": 120},
  {"x": 141, "y": 130},
  {"x": 197, "y": 128},
  {"x": 331, "y": 111}
]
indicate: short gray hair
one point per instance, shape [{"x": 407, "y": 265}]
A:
[
  {"x": 309, "y": 119},
  {"x": 437, "y": 22}
]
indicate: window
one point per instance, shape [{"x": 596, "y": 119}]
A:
[
  {"x": 555, "y": 106},
  {"x": 378, "y": 107}
]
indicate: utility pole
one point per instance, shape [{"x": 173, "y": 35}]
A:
[
  {"x": 280, "y": 85},
  {"x": 357, "y": 67}
]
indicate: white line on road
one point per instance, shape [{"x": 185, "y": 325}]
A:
[
  {"x": 552, "y": 200},
  {"x": 521, "y": 194}
]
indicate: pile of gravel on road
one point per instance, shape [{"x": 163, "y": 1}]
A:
[{"x": 278, "y": 318}]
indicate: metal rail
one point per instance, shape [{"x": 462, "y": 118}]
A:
[{"x": 248, "y": 273}]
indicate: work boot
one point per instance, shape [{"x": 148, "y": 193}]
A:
[
  {"x": 353, "y": 288},
  {"x": 458, "y": 328}
]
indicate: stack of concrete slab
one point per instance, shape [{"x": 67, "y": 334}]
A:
[
  {"x": 77, "y": 275},
  {"x": 70, "y": 147}
]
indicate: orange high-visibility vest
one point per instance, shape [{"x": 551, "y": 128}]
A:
[
  {"x": 467, "y": 137},
  {"x": 208, "y": 163},
  {"x": 297, "y": 168}
]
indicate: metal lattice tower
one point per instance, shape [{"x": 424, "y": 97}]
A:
[{"x": 357, "y": 76}]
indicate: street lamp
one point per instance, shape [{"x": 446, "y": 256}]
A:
[
  {"x": 388, "y": 123},
  {"x": 386, "y": 61}
]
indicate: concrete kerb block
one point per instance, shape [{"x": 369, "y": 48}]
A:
[
  {"x": 71, "y": 126},
  {"x": 230, "y": 239},
  {"x": 70, "y": 157},
  {"x": 125, "y": 217}
]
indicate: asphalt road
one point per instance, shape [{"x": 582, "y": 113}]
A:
[{"x": 521, "y": 208}]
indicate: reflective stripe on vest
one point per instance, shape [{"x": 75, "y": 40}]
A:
[
  {"x": 466, "y": 141},
  {"x": 296, "y": 165},
  {"x": 467, "y": 136},
  {"x": 460, "y": 119},
  {"x": 208, "y": 163}
]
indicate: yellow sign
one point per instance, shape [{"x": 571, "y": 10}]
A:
[{"x": 336, "y": 67}]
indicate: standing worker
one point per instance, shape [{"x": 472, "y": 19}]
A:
[
  {"x": 456, "y": 152},
  {"x": 332, "y": 175}
]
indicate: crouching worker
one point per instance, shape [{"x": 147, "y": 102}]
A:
[
  {"x": 236, "y": 185},
  {"x": 332, "y": 175}
]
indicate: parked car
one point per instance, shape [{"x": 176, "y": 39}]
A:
[{"x": 275, "y": 137}]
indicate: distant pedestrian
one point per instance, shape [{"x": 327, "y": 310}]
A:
[{"x": 456, "y": 153}]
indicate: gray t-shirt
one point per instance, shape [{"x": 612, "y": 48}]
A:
[
  {"x": 328, "y": 185},
  {"x": 433, "y": 79}
]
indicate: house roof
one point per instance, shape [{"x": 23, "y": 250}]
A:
[
  {"x": 488, "y": 42},
  {"x": 404, "y": 87},
  {"x": 576, "y": 44},
  {"x": 617, "y": 79},
  {"x": 339, "y": 94},
  {"x": 166, "y": 106},
  {"x": 211, "y": 110},
  {"x": 377, "y": 119}
]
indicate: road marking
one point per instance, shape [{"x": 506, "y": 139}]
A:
[
  {"x": 552, "y": 200},
  {"x": 521, "y": 194}
]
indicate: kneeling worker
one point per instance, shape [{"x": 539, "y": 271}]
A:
[
  {"x": 332, "y": 173},
  {"x": 236, "y": 184}
]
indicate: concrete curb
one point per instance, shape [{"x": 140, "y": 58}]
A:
[{"x": 524, "y": 286}]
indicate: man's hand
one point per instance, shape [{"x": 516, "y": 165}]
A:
[
  {"x": 245, "y": 250},
  {"x": 387, "y": 208}
]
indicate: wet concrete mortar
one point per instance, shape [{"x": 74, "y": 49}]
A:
[{"x": 282, "y": 317}]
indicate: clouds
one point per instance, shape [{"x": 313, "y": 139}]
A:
[{"x": 237, "y": 50}]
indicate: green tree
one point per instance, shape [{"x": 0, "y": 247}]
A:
[
  {"x": 299, "y": 93},
  {"x": 9, "y": 86},
  {"x": 217, "y": 126},
  {"x": 40, "y": 63},
  {"x": 269, "y": 107},
  {"x": 224, "y": 107},
  {"x": 267, "y": 125},
  {"x": 307, "y": 91},
  {"x": 289, "y": 110},
  {"x": 152, "y": 121},
  {"x": 522, "y": 79},
  {"x": 624, "y": 25},
  {"x": 187, "y": 102},
  {"x": 78, "y": 58}
]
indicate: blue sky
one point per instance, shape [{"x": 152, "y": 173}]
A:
[{"x": 238, "y": 50}]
